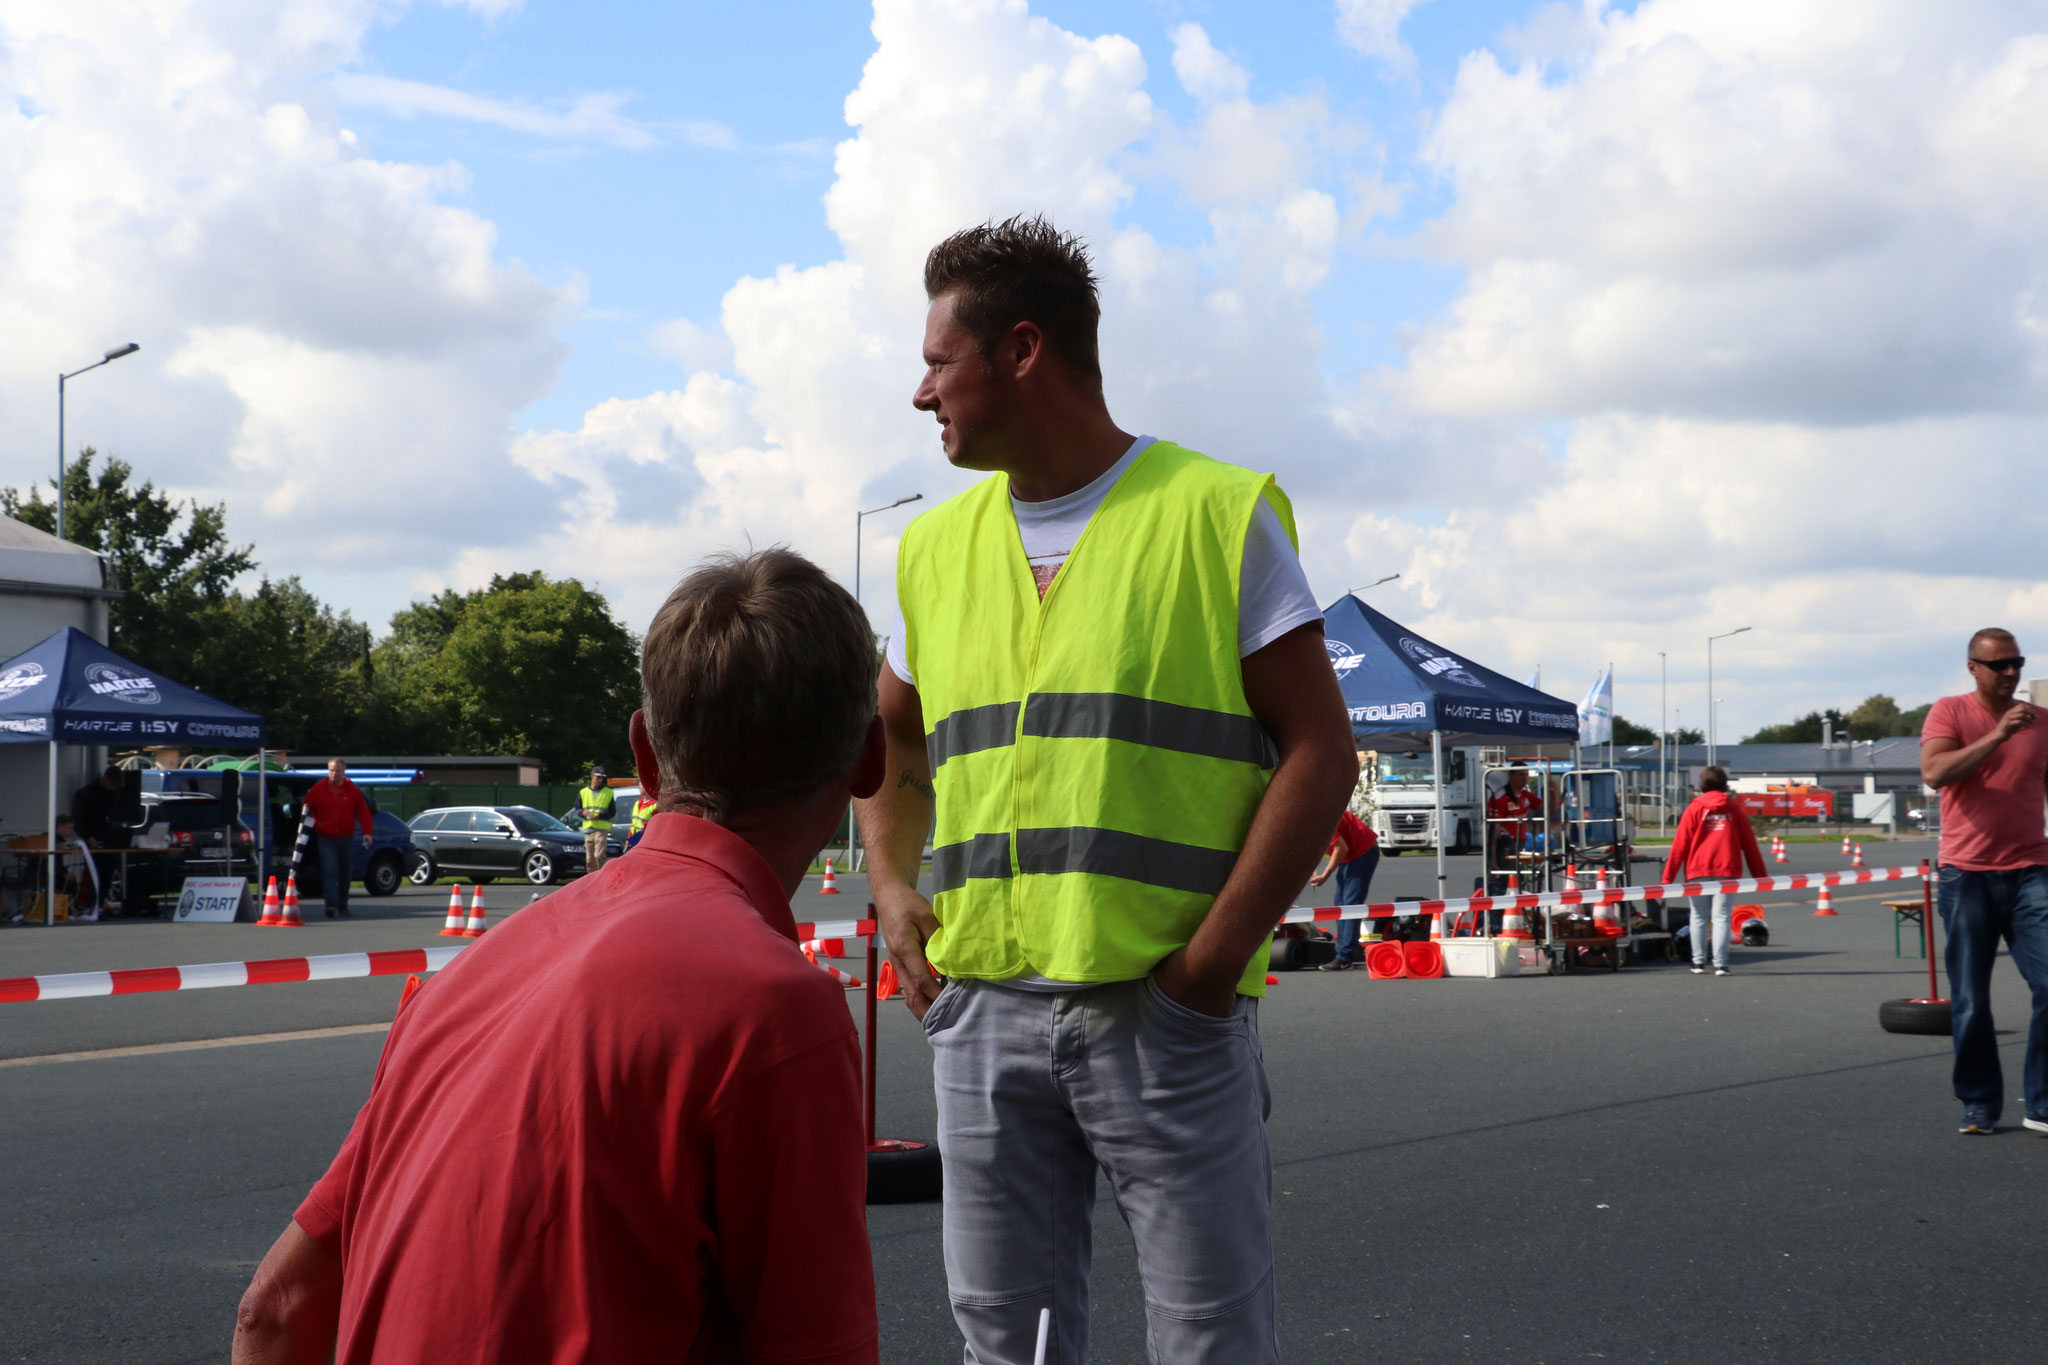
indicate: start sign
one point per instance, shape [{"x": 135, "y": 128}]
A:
[{"x": 214, "y": 900}]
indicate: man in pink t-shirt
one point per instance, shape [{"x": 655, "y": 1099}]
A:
[{"x": 1988, "y": 757}]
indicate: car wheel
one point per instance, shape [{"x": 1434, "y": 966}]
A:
[
  {"x": 422, "y": 872},
  {"x": 909, "y": 1173},
  {"x": 539, "y": 868},
  {"x": 382, "y": 876},
  {"x": 1915, "y": 1016},
  {"x": 1391, "y": 852}
]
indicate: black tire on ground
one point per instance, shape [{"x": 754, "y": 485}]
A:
[
  {"x": 539, "y": 868},
  {"x": 422, "y": 872},
  {"x": 1283, "y": 957},
  {"x": 383, "y": 875},
  {"x": 1392, "y": 852},
  {"x": 912, "y": 1175},
  {"x": 1914, "y": 1016}
]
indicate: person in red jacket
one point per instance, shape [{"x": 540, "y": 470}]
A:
[
  {"x": 338, "y": 809},
  {"x": 1714, "y": 840},
  {"x": 1353, "y": 853}
]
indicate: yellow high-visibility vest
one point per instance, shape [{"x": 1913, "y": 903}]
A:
[
  {"x": 598, "y": 804},
  {"x": 1095, "y": 761}
]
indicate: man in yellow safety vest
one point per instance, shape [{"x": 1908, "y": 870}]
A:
[
  {"x": 598, "y": 805},
  {"x": 1111, "y": 705}
]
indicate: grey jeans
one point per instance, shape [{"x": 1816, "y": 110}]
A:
[
  {"x": 1718, "y": 903},
  {"x": 1038, "y": 1090}
]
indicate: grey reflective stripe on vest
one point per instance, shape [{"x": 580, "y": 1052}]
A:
[
  {"x": 972, "y": 730},
  {"x": 1133, "y": 857},
  {"x": 1159, "y": 724},
  {"x": 985, "y": 855}
]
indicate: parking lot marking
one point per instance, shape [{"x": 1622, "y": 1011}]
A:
[{"x": 148, "y": 1049}]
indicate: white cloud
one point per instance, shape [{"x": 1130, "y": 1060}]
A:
[
  {"x": 1374, "y": 28},
  {"x": 588, "y": 118},
  {"x": 325, "y": 345},
  {"x": 1776, "y": 277},
  {"x": 1204, "y": 72}
]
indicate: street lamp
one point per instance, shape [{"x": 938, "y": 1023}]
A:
[
  {"x": 852, "y": 828},
  {"x": 1375, "y": 583},
  {"x": 129, "y": 349},
  {"x": 857, "y": 518},
  {"x": 1663, "y": 741},
  {"x": 1713, "y": 702}
]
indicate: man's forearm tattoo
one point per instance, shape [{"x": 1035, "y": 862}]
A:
[{"x": 924, "y": 789}]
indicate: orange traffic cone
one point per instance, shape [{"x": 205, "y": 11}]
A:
[
  {"x": 1826, "y": 904},
  {"x": 291, "y": 918},
  {"x": 831, "y": 886},
  {"x": 1436, "y": 927},
  {"x": 1512, "y": 925},
  {"x": 885, "y": 980},
  {"x": 1606, "y": 922},
  {"x": 453, "y": 926},
  {"x": 1778, "y": 849},
  {"x": 1857, "y": 861},
  {"x": 475, "y": 926},
  {"x": 1845, "y": 845},
  {"x": 1600, "y": 879},
  {"x": 272, "y": 917}
]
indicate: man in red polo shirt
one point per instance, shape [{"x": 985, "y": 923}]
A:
[{"x": 626, "y": 1124}]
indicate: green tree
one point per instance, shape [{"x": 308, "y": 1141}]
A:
[
  {"x": 1808, "y": 729},
  {"x": 284, "y": 654},
  {"x": 173, "y": 559},
  {"x": 529, "y": 665},
  {"x": 1681, "y": 735},
  {"x": 1627, "y": 731}
]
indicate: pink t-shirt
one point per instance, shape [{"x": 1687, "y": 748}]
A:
[{"x": 1993, "y": 820}]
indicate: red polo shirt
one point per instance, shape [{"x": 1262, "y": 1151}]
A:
[{"x": 625, "y": 1125}]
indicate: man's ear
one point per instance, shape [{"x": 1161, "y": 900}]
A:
[
  {"x": 866, "y": 778},
  {"x": 643, "y": 756}
]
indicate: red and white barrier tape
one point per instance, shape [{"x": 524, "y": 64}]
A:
[
  {"x": 208, "y": 975},
  {"x": 1613, "y": 895},
  {"x": 396, "y": 962}
]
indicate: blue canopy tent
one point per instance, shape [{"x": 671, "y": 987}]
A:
[
  {"x": 1406, "y": 692},
  {"x": 72, "y": 689}
]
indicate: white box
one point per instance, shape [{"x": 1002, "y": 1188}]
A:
[{"x": 1483, "y": 957}]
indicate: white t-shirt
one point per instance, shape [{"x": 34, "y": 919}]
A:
[
  {"x": 1272, "y": 598},
  {"x": 1273, "y": 595}
]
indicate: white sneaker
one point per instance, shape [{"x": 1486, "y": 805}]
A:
[
  {"x": 1722, "y": 971},
  {"x": 2038, "y": 1125},
  {"x": 1699, "y": 969}
]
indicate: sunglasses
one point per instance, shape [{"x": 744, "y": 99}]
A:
[{"x": 2012, "y": 665}]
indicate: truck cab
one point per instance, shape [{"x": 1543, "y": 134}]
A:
[{"x": 1405, "y": 798}]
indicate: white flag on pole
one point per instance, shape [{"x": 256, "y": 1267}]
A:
[{"x": 1596, "y": 712}]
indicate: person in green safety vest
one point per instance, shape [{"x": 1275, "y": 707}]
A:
[
  {"x": 598, "y": 806},
  {"x": 643, "y": 811},
  {"x": 1111, "y": 704}
]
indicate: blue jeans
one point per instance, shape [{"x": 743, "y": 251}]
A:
[
  {"x": 334, "y": 869},
  {"x": 1977, "y": 910},
  {"x": 1354, "y": 883}
]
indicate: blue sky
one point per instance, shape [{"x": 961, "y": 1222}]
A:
[
  {"x": 661, "y": 232},
  {"x": 1687, "y": 297}
]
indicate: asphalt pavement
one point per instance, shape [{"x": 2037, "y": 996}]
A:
[{"x": 1633, "y": 1166}]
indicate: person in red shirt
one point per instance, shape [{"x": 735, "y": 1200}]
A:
[
  {"x": 626, "y": 1124},
  {"x": 1353, "y": 854},
  {"x": 338, "y": 808},
  {"x": 1987, "y": 755},
  {"x": 1713, "y": 841},
  {"x": 1507, "y": 813}
]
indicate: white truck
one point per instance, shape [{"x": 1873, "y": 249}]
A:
[{"x": 1405, "y": 795}]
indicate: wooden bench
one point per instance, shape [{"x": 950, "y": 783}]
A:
[{"x": 1902, "y": 912}]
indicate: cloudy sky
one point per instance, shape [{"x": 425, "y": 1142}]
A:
[{"x": 1608, "y": 327}]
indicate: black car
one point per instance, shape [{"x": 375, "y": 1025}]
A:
[{"x": 479, "y": 843}]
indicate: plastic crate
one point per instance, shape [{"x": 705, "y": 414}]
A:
[{"x": 1482, "y": 957}]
